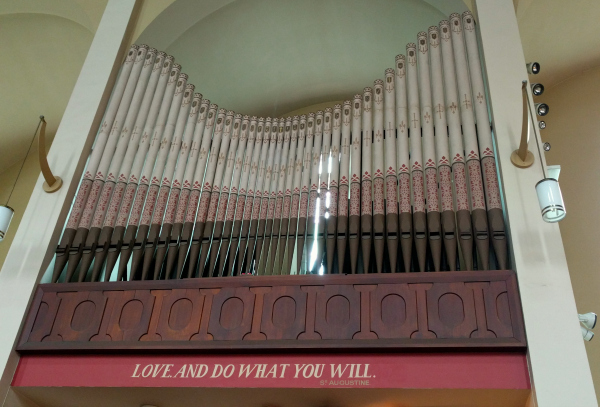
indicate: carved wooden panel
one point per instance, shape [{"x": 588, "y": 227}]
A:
[{"x": 433, "y": 310}]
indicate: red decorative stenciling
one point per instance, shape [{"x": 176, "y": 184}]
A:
[
  {"x": 223, "y": 203},
  {"x": 391, "y": 205},
  {"x": 404, "y": 185},
  {"x": 138, "y": 205},
  {"x": 103, "y": 203},
  {"x": 278, "y": 207},
  {"x": 366, "y": 176},
  {"x": 433, "y": 204},
  {"x": 416, "y": 166},
  {"x": 79, "y": 203},
  {"x": 312, "y": 206},
  {"x": 190, "y": 213},
  {"x": 443, "y": 161},
  {"x": 264, "y": 207},
  {"x": 150, "y": 203},
  {"x": 248, "y": 208},
  {"x": 115, "y": 203},
  {"x": 344, "y": 180},
  {"x": 458, "y": 158},
  {"x": 203, "y": 207},
  {"x": 287, "y": 201},
  {"x": 214, "y": 206},
  {"x": 418, "y": 191},
  {"x": 172, "y": 206},
  {"x": 255, "y": 205},
  {"x": 161, "y": 204},
  {"x": 378, "y": 196},
  {"x": 295, "y": 205},
  {"x": 123, "y": 215},
  {"x": 323, "y": 203},
  {"x": 342, "y": 207},
  {"x": 472, "y": 156},
  {"x": 233, "y": 198},
  {"x": 460, "y": 185},
  {"x": 184, "y": 197},
  {"x": 241, "y": 205},
  {"x": 477, "y": 195},
  {"x": 446, "y": 188},
  {"x": 271, "y": 211},
  {"x": 487, "y": 152},
  {"x": 492, "y": 187},
  {"x": 403, "y": 169},
  {"x": 304, "y": 205},
  {"x": 333, "y": 201},
  {"x": 355, "y": 199},
  {"x": 366, "y": 198},
  {"x": 430, "y": 163},
  {"x": 90, "y": 205}
]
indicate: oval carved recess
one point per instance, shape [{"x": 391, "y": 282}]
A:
[
  {"x": 400, "y": 311},
  {"x": 284, "y": 312},
  {"x": 181, "y": 314},
  {"x": 131, "y": 315},
  {"x": 231, "y": 313},
  {"x": 398, "y": 305},
  {"x": 338, "y": 311},
  {"x": 82, "y": 317},
  {"x": 451, "y": 310}
]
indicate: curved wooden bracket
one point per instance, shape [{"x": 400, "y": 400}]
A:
[
  {"x": 523, "y": 158},
  {"x": 52, "y": 183}
]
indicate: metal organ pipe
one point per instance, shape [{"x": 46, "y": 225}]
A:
[{"x": 190, "y": 190}]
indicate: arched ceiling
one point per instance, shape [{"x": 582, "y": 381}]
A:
[
  {"x": 37, "y": 76},
  {"x": 341, "y": 46},
  {"x": 268, "y": 57}
]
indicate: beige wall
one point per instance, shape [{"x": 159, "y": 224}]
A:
[
  {"x": 574, "y": 133},
  {"x": 23, "y": 188}
]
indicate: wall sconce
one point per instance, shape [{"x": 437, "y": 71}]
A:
[
  {"x": 6, "y": 214},
  {"x": 589, "y": 322},
  {"x": 548, "y": 191},
  {"x": 550, "y": 200},
  {"x": 51, "y": 184}
]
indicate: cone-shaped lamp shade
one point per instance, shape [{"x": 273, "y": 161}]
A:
[
  {"x": 551, "y": 200},
  {"x": 6, "y": 214}
]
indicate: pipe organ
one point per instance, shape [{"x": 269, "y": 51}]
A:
[{"x": 399, "y": 178}]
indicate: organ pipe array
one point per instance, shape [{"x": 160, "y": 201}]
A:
[{"x": 400, "y": 178}]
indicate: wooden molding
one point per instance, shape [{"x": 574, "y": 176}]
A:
[{"x": 462, "y": 310}]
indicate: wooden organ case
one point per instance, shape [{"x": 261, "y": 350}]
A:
[{"x": 377, "y": 223}]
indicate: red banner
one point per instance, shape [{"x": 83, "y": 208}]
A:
[{"x": 416, "y": 370}]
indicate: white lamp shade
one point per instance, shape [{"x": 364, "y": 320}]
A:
[
  {"x": 550, "y": 200},
  {"x": 553, "y": 171},
  {"x": 6, "y": 214}
]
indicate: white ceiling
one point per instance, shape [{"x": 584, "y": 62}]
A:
[{"x": 264, "y": 57}]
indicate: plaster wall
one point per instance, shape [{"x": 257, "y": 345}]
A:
[{"x": 573, "y": 130}]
